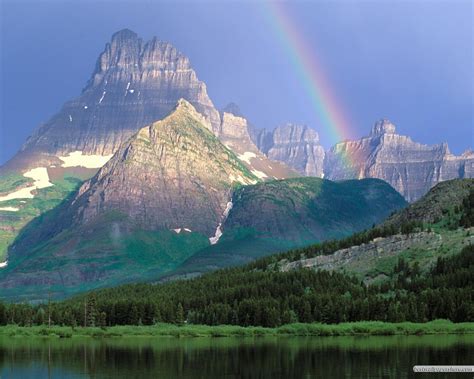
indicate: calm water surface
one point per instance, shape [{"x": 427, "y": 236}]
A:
[{"x": 265, "y": 357}]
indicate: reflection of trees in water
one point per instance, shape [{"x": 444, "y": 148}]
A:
[{"x": 231, "y": 357}]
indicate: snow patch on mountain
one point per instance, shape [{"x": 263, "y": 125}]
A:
[
  {"x": 41, "y": 180},
  {"x": 9, "y": 209},
  {"x": 259, "y": 174},
  {"x": 77, "y": 158},
  {"x": 247, "y": 156},
  {"x": 218, "y": 234}
]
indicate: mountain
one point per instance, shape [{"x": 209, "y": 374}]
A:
[
  {"x": 293, "y": 213},
  {"x": 410, "y": 167},
  {"x": 163, "y": 196},
  {"x": 296, "y": 145},
  {"x": 134, "y": 83},
  {"x": 172, "y": 174}
]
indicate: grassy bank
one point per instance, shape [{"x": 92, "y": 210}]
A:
[{"x": 315, "y": 329}]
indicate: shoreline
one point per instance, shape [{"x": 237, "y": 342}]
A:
[{"x": 360, "y": 328}]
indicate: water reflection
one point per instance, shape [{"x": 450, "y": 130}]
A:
[{"x": 283, "y": 357}]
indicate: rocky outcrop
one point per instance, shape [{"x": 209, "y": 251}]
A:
[
  {"x": 134, "y": 83},
  {"x": 296, "y": 145},
  {"x": 356, "y": 256},
  {"x": 235, "y": 133},
  {"x": 410, "y": 167}
]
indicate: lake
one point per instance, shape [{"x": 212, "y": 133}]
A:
[{"x": 259, "y": 357}]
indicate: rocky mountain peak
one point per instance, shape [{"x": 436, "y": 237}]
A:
[
  {"x": 381, "y": 127},
  {"x": 134, "y": 83},
  {"x": 235, "y": 132},
  {"x": 185, "y": 107},
  {"x": 128, "y": 53},
  {"x": 183, "y": 104},
  {"x": 124, "y": 34},
  {"x": 121, "y": 52},
  {"x": 468, "y": 153}
]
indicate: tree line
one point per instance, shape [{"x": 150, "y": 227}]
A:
[{"x": 270, "y": 298}]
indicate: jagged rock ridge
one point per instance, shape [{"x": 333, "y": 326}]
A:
[{"x": 410, "y": 167}]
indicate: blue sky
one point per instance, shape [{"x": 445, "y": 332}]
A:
[{"x": 409, "y": 61}]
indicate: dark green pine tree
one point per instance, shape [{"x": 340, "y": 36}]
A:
[
  {"x": 179, "y": 319},
  {"x": 91, "y": 311},
  {"x": 3, "y": 314}
]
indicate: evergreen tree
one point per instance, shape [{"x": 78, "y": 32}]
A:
[{"x": 179, "y": 314}]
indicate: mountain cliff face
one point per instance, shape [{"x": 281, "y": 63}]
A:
[
  {"x": 296, "y": 145},
  {"x": 235, "y": 133},
  {"x": 410, "y": 167},
  {"x": 134, "y": 83}
]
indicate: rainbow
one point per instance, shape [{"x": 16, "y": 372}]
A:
[{"x": 313, "y": 78}]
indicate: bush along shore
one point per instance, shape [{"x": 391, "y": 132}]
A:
[{"x": 375, "y": 328}]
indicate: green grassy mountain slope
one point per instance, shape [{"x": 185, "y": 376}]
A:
[
  {"x": 437, "y": 225},
  {"x": 18, "y": 212},
  {"x": 276, "y": 216},
  {"x": 437, "y": 204}
]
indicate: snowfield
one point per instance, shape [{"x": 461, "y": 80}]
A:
[{"x": 77, "y": 158}]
